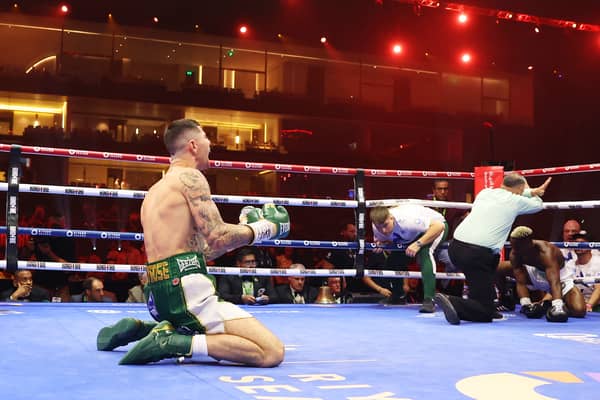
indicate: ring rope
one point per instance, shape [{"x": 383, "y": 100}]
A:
[
  {"x": 286, "y": 201},
  {"x": 314, "y": 244},
  {"x": 140, "y": 194},
  {"x": 293, "y": 168},
  {"x": 240, "y": 165},
  {"x": 557, "y": 205},
  {"x": 567, "y": 205},
  {"x": 74, "y": 153},
  {"x": 78, "y": 233},
  {"x": 426, "y": 203},
  {"x": 122, "y": 193},
  {"x": 570, "y": 169},
  {"x": 218, "y": 270},
  {"x": 222, "y": 270}
]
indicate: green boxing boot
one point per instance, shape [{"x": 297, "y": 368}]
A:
[
  {"x": 162, "y": 342},
  {"x": 125, "y": 331}
]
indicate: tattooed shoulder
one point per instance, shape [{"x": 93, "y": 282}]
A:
[
  {"x": 195, "y": 186},
  {"x": 191, "y": 179}
]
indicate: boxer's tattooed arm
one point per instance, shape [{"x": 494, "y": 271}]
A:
[
  {"x": 197, "y": 242},
  {"x": 211, "y": 236}
]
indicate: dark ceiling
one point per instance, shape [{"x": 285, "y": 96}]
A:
[{"x": 370, "y": 26}]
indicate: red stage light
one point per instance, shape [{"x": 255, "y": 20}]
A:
[
  {"x": 243, "y": 29},
  {"x": 396, "y": 48},
  {"x": 64, "y": 9},
  {"x": 462, "y": 18},
  {"x": 323, "y": 39},
  {"x": 466, "y": 58}
]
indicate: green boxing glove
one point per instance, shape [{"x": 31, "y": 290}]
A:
[
  {"x": 272, "y": 223},
  {"x": 250, "y": 214}
]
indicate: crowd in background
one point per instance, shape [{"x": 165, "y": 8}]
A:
[{"x": 80, "y": 286}]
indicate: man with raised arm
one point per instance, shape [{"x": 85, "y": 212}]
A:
[
  {"x": 182, "y": 230},
  {"x": 478, "y": 241}
]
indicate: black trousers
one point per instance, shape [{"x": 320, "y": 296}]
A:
[{"x": 479, "y": 265}]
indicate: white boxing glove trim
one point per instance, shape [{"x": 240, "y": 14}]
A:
[
  {"x": 557, "y": 303},
  {"x": 263, "y": 230},
  {"x": 243, "y": 218}
]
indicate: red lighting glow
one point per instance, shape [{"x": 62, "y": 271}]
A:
[
  {"x": 64, "y": 9},
  {"x": 155, "y": 19},
  {"x": 502, "y": 14},
  {"x": 296, "y": 131},
  {"x": 243, "y": 29},
  {"x": 462, "y": 18},
  {"x": 323, "y": 39},
  {"x": 465, "y": 58},
  {"x": 397, "y": 48}
]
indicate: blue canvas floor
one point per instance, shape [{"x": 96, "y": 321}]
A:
[{"x": 354, "y": 352}]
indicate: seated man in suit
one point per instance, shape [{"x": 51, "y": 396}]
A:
[
  {"x": 139, "y": 293},
  {"x": 296, "y": 292},
  {"x": 93, "y": 292},
  {"x": 337, "y": 284},
  {"x": 24, "y": 290},
  {"x": 251, "y": 290}
]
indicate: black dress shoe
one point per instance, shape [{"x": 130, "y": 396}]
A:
[
  {"x": 427, "y": 306},
  {"x": 449, "y": 311}
]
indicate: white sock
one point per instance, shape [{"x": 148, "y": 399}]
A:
[
  {"x": 200, "y": 349},
  {"x": 525, "y": 301}
]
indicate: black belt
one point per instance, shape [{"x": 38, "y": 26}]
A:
[{"x": 477, "y": 247}]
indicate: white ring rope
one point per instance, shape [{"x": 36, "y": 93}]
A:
[
  {"x": 562, "y": 205},
  {"x": 426, "y": 203},
  {"x": 140, "y": 194},
  {"x": 218, "y": 270},
  {"x": 567, "y": 205},
  {"x": 284, "y": 201}
]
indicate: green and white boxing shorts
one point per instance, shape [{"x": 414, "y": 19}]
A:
[{"x": 183, "y": 293}]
